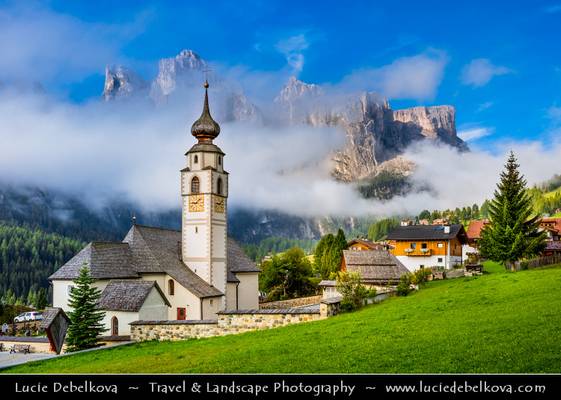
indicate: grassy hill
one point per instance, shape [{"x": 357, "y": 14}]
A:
[{"x": 499, "y": 322}]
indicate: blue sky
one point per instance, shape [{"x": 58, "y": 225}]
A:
[{"x": 498, "y": 63}]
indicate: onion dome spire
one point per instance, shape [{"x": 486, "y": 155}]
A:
[{"x": 205, "y": 129}]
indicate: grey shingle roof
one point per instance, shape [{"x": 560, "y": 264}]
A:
[
  {"x": 158, "y": 250},
  {"x": 427, "y": 232},
  {"x": 106, "y": 260},
  {"x": 237, "y": 260},
  {"x": 150, "y": 250},
  {"x": 374, "y": 266},
  {"x": 128, "y": 295}
]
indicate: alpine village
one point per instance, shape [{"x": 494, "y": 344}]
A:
[{"x": 410, "y": 293}]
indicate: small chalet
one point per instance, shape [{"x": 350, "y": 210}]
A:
[
  {"x": 377, "y": 268},
  {"x": 364, "y": 244},
  {"x": 420, "y": 246}
]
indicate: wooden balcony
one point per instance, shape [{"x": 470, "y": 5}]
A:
[{"x": 418, "y": 252}]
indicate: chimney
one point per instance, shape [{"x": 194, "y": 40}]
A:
[{"x": 446, "y": 228}]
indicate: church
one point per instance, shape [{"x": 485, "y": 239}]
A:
[{"x": 161, "y": 274}]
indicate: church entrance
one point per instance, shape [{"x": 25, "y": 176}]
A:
[
  {"x": 181, "y": 313},
  {"x": 114, "y": 326}
]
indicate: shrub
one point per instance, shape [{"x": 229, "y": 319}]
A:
[
  {"x": 420, "y": 276},
  {"x": 403, "y": 288},
  {"x": 353, "y": 291}
]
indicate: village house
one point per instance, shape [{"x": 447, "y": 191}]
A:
[
  {"x": 164, "y": 274},
  {"x": 378, "y": 269},
  {"x": 364, "y": 244},
  {"x": 426, "y": 246}
]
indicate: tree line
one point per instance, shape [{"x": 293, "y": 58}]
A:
[{"x": 27, "y": 258}]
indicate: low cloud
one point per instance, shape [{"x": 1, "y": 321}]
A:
[
  {"x": 474, "y": 133},
  {"x": 416, "y": 77},
  {"x": 480, "y": 71}
]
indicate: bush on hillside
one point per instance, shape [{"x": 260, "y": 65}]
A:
[
  {"x": 404, "y": 286},
  {"x": 353, "y": 291}
]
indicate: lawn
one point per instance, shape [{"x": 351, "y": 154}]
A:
[{"x": 498, "y": 322}]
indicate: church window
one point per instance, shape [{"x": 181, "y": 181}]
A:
[
  {"x": 171, "y": 287},
  {"x": 195, "y": 185},
  {"x": 219, "y": 186},
  {"x": 114, "y": 326},
  {"x": 211, "y": 302},
  {"x": 219, "y": 160},
  {"x": 196, "y": 159},
  {"x": 196, "y": 229}
]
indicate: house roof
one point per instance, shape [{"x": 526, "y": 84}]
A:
[
  {"x": 368, "y": 243},
  {"x": 427, "y": 232},
  {"x": 106, "y": 260},
  {"x": 128, "y": 295},
  {"x": 374, "y": 266},
  {"x": 555, "y": 223},
  {"x": 148, "y": 249},
  {"x": 474, "y": 228}
]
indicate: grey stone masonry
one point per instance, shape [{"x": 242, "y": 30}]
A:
[{"x": 231, "y": 322}]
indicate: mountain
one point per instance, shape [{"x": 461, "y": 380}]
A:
[
  {"x": 121, "y": 82},
  {"x": 375, "y": 133},
  {"x": 177, "y": 77}
]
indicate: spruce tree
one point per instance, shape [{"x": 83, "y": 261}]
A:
[
  {"x": 85, "y": 318},
  {"x": 512, "y": 233}
]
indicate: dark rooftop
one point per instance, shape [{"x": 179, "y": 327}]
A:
[
  {"x": 428, "y": 232},
  {"x": 128, "y": 295},
  {"x": 374, "y": 266}
]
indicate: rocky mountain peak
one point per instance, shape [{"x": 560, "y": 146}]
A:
[
  {"x": 296, "y": 89},
  {"x": 121, "y": 82}
]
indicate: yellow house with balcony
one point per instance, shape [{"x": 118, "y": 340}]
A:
[{"x": 426, "y": 246}]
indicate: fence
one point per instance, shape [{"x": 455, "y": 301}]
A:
[{"x": 535, "y": 262}]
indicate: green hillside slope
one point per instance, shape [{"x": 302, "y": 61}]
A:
[{"x": 499, "y": 322}]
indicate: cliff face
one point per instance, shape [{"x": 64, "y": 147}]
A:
[
  {"x": 375, "y": 133},
  {"x": 120, "y": 82}
]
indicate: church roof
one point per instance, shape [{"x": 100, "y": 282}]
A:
[
  {"x": 150, "y": 250},
  {"x": 128, "y": 295},
  {"x": 237, "y": 260},
  {"x": 106, "y": 260},
  {"x": 158, "y": 250},
  {"x": 205, "y": 129},
  {"x": 374, "y": 266}
]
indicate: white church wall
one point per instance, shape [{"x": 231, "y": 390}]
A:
[
  {"x": 61, "y": 292},
  {"x": 231, "y": 296},
  {"x": 248, "y": 290},
  {"x": 181, "y": 298},
  {"x": 211, "y": 306},
  {"x": 124, "y": 318},
  {"x": 154, "y": 307}
]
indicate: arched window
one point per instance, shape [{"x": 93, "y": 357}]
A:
[
  {"x": 171, "y": 287},
  {"x": 219, "y": 186},
  {"x": 195, "y": 185},
  {"x": 219, "y": 160},
  {"x": 196, "y": 159},
  {"x": 114, "y": 326}
]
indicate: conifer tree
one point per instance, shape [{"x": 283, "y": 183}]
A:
[
  {"x": 512, "y": 233},
  {"x": 85, "y": 318}
]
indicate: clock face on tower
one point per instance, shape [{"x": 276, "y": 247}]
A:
[
  {"x": 219, "y": 203},
  {"x": 196, "y": 203}
]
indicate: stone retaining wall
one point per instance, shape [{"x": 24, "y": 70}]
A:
[
  {"x": 36, "y": 344},
  {"x": 231, "y": 322},
  {"x": 299, "y": 302}
]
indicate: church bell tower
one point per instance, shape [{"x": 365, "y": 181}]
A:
[{"x": 204, "y": 192}]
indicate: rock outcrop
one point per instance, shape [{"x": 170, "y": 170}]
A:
[
  {"x": 375, "y": 133},
  {"x": 121, "y": 82}
]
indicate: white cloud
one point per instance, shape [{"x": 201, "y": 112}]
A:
[
  {"x": 474, "y": 133},
  {"x": 41, "y": 45},
  {"x": 485, "y": 106},
  {"x": 480, "y": 71},
  {"x": 415, "y": 77},
  {"x": 554, "y": 113},
  {"x": 292, "y": 48}
]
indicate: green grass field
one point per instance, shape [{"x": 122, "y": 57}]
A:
[{"x": 498, "y": 322}]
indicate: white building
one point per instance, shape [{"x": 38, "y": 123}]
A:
[{"x": 193, "y": 273}]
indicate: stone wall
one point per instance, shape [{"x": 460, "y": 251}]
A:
[
  {"x": 36, "y": 344},
  {"x": 298, "y": 302},
  {"x": 232, "y": 322}
]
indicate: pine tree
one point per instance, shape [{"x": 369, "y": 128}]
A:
[
  {"x": 85, "y": 318},
  {"x": 512, "y": 233}
]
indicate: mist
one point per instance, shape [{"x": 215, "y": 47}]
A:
[{"x": 135, "y": 151}]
